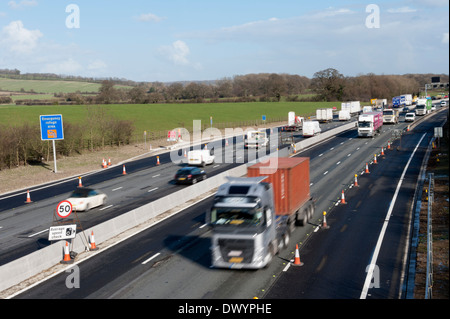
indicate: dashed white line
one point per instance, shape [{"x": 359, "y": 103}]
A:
[
  {"x": 325, "y": 173},
  {"x": 106, "y": 207},
  {"x": 338, "y": 163},
  {"x": 154, "y": 256},
  {"x": 153, "y": 189},
  {"x": 43, "y": 231},
  {"x": 156, "y": 175},
  {"x": 116, "y": 189}
]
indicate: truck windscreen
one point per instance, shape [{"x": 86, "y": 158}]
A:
[
  {"x": 237, "y": 216},
  {"x": 364, "y": 124}
]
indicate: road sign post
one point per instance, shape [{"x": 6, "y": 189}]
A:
[{"x": 52, "y": 130}]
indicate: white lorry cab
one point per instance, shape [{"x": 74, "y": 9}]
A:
[
  {"x": 200, "y": 157},
  {"x": 311, "y": 128}
]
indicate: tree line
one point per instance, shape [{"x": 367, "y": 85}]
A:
[{"x": 326, "y": 85}]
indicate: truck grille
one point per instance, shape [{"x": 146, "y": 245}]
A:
[{"x": 240, "y": 250}]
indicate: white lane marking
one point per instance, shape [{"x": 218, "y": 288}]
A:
[
  {"x": 116, "y": 189},
  {"x": 154, "y": 256},
  {"x": 153, "y": 189},
  {"x": 371, "y": 267},
  {"x": 106, "y": 207},
  {"x": 156, "y": 175},
  {"x": 42, "y": 231}
]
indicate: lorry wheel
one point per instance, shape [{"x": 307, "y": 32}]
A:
[{"x": 286, "y": 239}]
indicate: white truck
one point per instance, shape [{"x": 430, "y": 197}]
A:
[
  {"x": 295, "y": 123},
  {"x": 391, "y": 116},
  {"x": 423, "y": 106},
  {"x": 408, "y": 99},
  {"x": 344, "y": 115},
  {"x": 367, "y": 109},
  {"x": 353, "y": 107},
  {"x": 324, "y": 115},
  {"x": 370, "y": 124},
  {"x": 256, "y": 139},
  {"x": 200, "y": 157},
  {"x": 311, "y": 128}
]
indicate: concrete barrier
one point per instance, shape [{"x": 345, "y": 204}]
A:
[{"x": 22, "y": 269}]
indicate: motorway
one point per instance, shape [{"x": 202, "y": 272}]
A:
[{"x": 172, "y": 258}]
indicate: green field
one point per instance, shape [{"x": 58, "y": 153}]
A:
[
  {"x": 160, "y": 117},
  {"x": 47, "y": 86}
]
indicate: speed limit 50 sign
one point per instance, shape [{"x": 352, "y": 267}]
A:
[{"x": 64, "y": 209}]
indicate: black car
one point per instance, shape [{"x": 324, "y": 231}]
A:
[{"x": 189, "y": 175}]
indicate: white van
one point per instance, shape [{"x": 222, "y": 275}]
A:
[
  {"x": 200, "y": 157},
  {"x": 311, "y": 128}
]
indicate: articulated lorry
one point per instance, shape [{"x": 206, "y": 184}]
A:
[
  {"x": 295, "y": 123},
  {"x": 423, "y": 106},
  {"x": 369, "y": 124},
  {"x": 252, "y": 218},
  {"x": 324, "y": 115},
  {"x": 391, "y": 116},
  {"x": 353, "y": 107}
]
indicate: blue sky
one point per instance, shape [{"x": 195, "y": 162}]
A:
[{"x": 176, "y": 40}]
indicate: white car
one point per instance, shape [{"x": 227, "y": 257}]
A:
[
  {"x": 83, "y": 199},
  {"x": 443, "y": 103},
  {"x": 410, "y": 117}
]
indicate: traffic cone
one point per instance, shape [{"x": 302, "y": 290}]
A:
[
  {"x": 124, "y": 172},
  {"x": 109, "y": 161},
  {"x": 206, "y": 147},
  {"x": 66, "y": 259},
  {"x": 382, "y": 151},
  {"x": 343, "y": 198},
  {"x": 356, "y": 180},
  {"x": 93, "y": 246},
  {"x": 185, "y": 155},
  {"x": 367, "y": 169},
  {"x": 324, "y": 224},
  {"x": 389, "y": 145},
  {"x": 226, "y": 142},
  {"x": 28, "y": 197},
  {"x": 157, "y": 160},
  {"x": 375, "y": 159},
  {"x": 104, "y": 163},
  {"x": 297, "y": 261},
  {"x": 80, "y": 184}
]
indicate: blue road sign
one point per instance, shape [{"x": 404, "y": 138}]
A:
[{"x": 51, "y": 127}]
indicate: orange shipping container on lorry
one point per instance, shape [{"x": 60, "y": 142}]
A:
[{"x": 290, "y": 181}]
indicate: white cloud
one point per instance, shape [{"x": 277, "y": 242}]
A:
[
  {"x": 16, "y": 38},
  {"x": 150, "y": 17},
  {"x": 177, "y": 52},
  {"x": 402, "y": 10},
  {"x": 22, "y": 4}
]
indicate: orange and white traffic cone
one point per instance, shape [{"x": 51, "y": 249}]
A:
[
  {"x": 93, "y": 246},
  {"x": 367, "y": 169},
  {"x": 297, "y": 261},
  {"x": 124, "y": 172},
  {"x": 375, "y": 159},
  {"x": 28, "y": 197},
  {"x": 324, "y": 224},
  {"x": 389, "y": 145},
  {"x": 157, "y": 160},
  {"x": 382, "y": 151},
  {"x": 356, "y": 181},
  {"x": 185, "y": 155},
  {"x": 80, "y": 184},
  {"x": 104, "y": 163},
  {"x": 66, "y": 259},
  {"x": 109, "y": 161},
  {"x": 343, "y": 198}
]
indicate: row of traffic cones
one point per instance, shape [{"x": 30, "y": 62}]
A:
[
  {"x": 106, "y": 164},
  {"x": 68, "y": 258}
]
